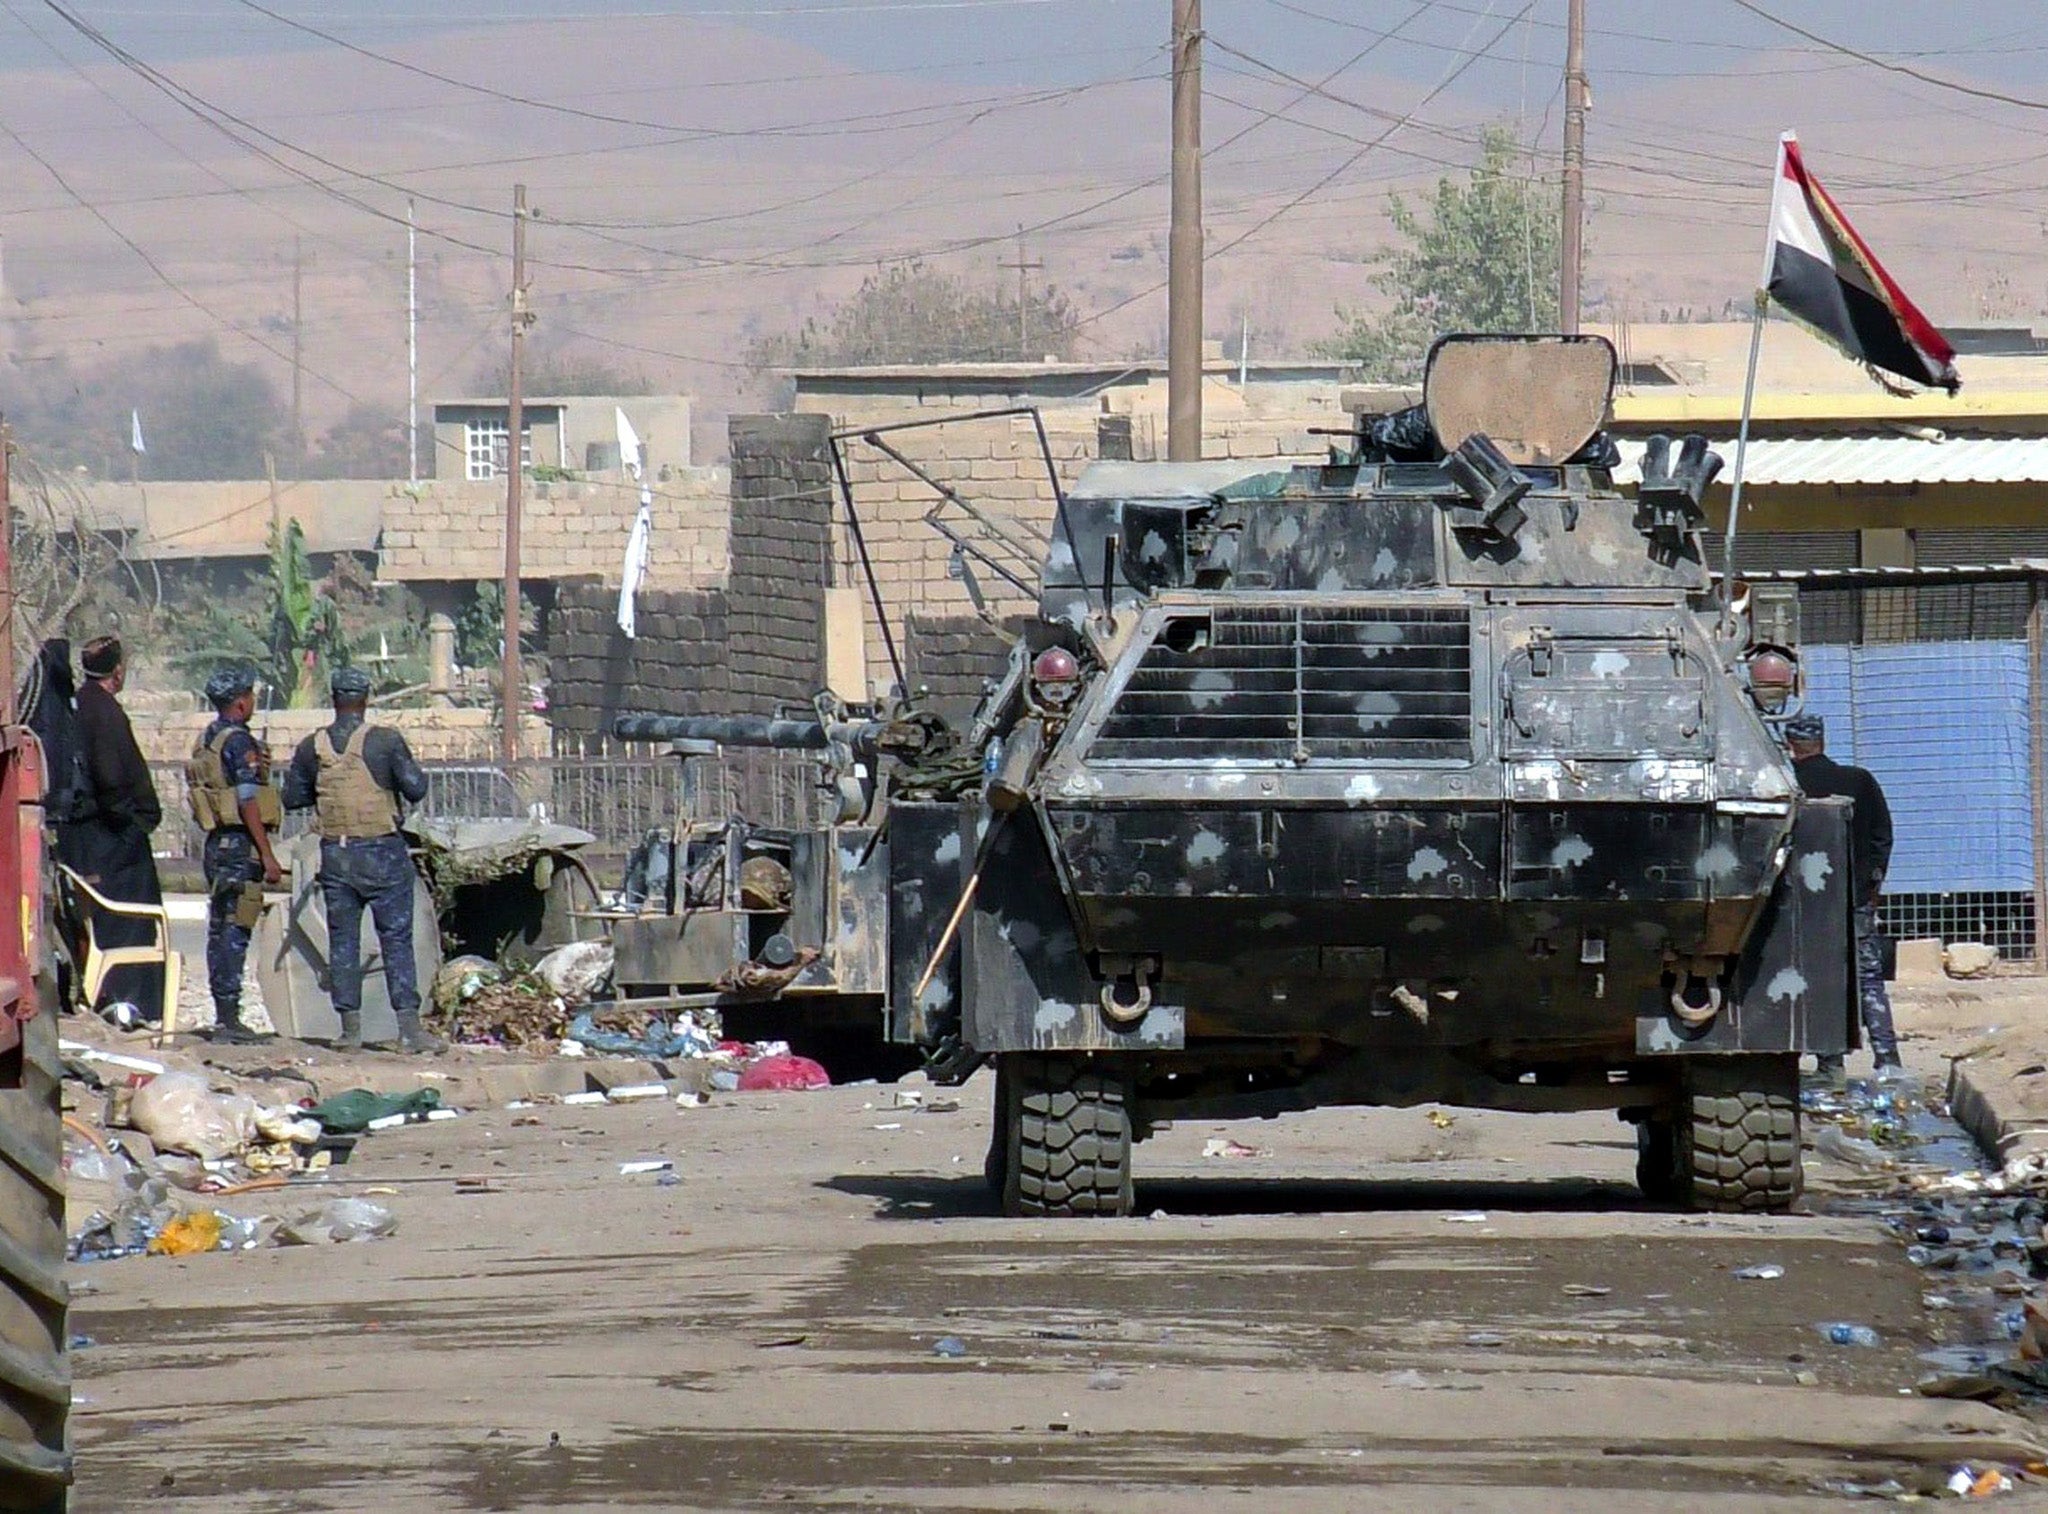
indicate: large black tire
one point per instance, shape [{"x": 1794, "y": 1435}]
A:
[
  {"x": 1067, "y": 1125},
  {"x": 1739, "y": 1136},
  {"x": 35, "y": 1376}
]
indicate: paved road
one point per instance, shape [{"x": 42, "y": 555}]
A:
[{"x": 1332, "y": 1319}]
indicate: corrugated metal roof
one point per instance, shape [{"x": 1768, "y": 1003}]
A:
[{"x": 1853, "y": 460}]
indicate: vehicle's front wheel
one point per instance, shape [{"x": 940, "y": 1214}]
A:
[
  {"x": 1739, "y": 1134},
  {"x": 1066, "y": 1124}
]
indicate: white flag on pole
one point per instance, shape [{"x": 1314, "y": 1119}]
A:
[
  {"x": 135, "y": 433},
  {"x": 641, "y": 541}
]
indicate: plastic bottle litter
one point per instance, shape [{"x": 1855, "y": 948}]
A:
[
  {"x": 1837, "y": 1145},
  {"x": 1843, "y": 1333},
  {"x": 337, "y": 1220},
  {"x": 951, "y": 1347},
  {"x": 1761, "y": 1272}
]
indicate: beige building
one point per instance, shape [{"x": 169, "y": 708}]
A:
[{"x": 565, "y": 433}]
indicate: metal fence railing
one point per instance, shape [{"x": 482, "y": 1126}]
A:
[{"x": 616, "y": 796}]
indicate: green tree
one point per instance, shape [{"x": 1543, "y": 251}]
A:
[
  {"x": 286, "y": 625},
  {"x": 1482, "y": 255},
  {"x": 909, "y": 313}
]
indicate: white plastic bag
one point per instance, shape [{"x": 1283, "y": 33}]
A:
[
  {"x": 577, "y": 970},
  {"x": 337, "y": 1220},
  {"x": 180, "y": 1113}
]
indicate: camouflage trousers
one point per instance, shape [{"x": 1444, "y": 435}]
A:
[
  {"x": 1870, "y": 992},
  {"x": 231, "y": 865},
  {"x": 377, "y": 875}
]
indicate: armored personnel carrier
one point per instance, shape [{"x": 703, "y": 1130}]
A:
[{"x": 1437, "y": 772}]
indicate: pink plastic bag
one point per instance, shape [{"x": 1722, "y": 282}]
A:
[{"x": 784, "y": 1074}]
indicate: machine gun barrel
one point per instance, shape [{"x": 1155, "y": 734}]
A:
[{"x": 725, "y": 730}]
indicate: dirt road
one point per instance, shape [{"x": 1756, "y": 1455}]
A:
[{"x": 1377, "y": 1313}]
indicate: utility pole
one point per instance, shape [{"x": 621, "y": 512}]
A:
[
  {"x": 298, "y": 366},
  {"x": 1576, "y": 100},
  {"x": 412, "y": 348},
  {"x": 509, "y": 674},
  {"x": 1184, "y": 242},
  {"x": 1025, "y": 268}
]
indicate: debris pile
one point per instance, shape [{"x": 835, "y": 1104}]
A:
[{"x": 151, "y": 1150}]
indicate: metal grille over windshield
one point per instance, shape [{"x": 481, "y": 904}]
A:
[{"x": 1299, "y": 684}]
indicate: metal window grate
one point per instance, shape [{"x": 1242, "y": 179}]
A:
[
  {"x": 1285, "y": 683},
  {"x": 2001, "y": 919}
]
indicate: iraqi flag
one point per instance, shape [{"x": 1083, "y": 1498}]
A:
[{"x": 1821, "y": 272}]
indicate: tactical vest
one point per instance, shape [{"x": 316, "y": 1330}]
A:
[
  {"x": 211, "y": 796},
  {"x": 350, "y": 804}
]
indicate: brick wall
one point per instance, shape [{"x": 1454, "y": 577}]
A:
[
  {"x": 782, "y": 559},
  {"x": 452, "y": 530},
  {"x": 997, "y": 465},
  {"x": 953, "y": 658},
  {"x": 677, "y": 665}
]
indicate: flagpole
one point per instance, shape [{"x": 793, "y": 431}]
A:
[{"x": 1756, "y": 343}]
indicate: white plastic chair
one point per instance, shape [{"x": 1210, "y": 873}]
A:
[{"x": 101, "y": 960}]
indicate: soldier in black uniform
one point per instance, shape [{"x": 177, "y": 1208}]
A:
[
  {"x": 354, "y": 776},
  {"x": 227, "y": 784},
  {"x": 1870, "y": 854}
]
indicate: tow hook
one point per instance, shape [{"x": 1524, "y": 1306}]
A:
[
  {"x": 1125, "y": 1000},
  {"x": 1693, "y": 1012}
]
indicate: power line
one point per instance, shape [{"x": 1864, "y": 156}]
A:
[{"x": 1890, "y": 65}]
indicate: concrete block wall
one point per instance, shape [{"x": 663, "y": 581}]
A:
[
  {"x": 677, "y": 665},
  {"x": 997, "y": 466},
  {"x": 953, "y": 658},
  {"x": 782, "y": 559},
  {"x": 451, "y": 530}
]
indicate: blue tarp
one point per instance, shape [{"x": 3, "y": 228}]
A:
[{"x": 1944, "y": 727}]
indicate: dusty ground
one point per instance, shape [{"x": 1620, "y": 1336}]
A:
[{"x": 1320, "y": 1323}]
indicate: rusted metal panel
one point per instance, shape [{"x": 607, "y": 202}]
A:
[{"x": 681, "y": 950}]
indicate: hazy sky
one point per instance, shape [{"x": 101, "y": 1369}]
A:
[{"x": 1053, "y": 40}]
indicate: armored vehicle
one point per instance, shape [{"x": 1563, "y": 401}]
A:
[{"x": 1437, "y": 772}]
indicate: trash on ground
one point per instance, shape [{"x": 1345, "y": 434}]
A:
[
  {"x": 783, "y": 1073},
  {"x": 1441, "y": 1120},
  {"x": 1587, "y": 1290},
  {"x": 621, "y": 1032},
  {"x": 1759, "y": 1272},
  {"x": 576, "y": 971},
  {"x": 951, "y": 1347},
  {"x": 179, "y": 1112},
  {"x": 633, "y": 1091},
  {"x": 337, "y": 1220},
  {"x": 1832, "y": 1142},
  {"x": 1467, "y": 1217},
  {"x": 1486, "y": 1338},
  {"x": 1844, "y": 1333},
  {"x": 1105, "y": 1382},
  {"x": 359, "y": 1109},
  {"x": 1217, "y": 1146},
  {"x": 188, "y": 1235},
  {"x": 84, "y": 1053},
  {"x": 1968, "y": 1482},
  {"x": 634, "y": 1169}
]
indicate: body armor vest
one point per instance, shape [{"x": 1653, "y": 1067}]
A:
[
  {"x": 211, "y": 796},
  {"x": 350, "y": 804}
]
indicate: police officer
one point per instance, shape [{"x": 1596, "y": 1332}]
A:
[
  {"x": 1870, "y": 854},
  {"x": 354, "y": 775},
  {"x": 227, "y": 785}
]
